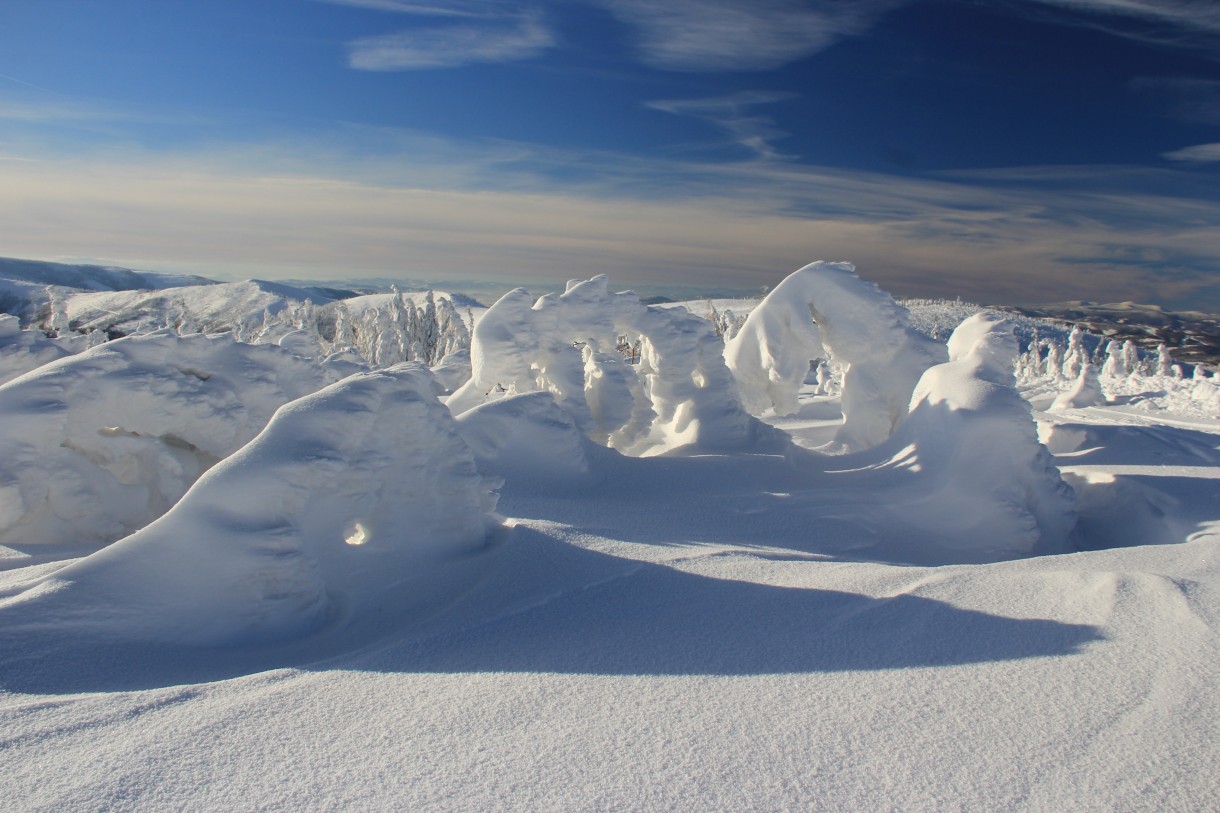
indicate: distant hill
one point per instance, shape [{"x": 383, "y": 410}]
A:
[
  {"x": 92, "y": 277},
  {"x": 26, "y": 286},
  {"x": 1193, "y": 336}
]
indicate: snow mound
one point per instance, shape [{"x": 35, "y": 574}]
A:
[
  {"x": 984, "y": 483},
  {"x": 1085, "y": 392},
  {"x": 452, "y": 371},
  {"x": 345, "y": 495},
  {"x": 96, "y": 445},
  {"x": 529, "y": 440},
  {"x": 825, "y": 311},
  {"x": 673, "y": 392}
]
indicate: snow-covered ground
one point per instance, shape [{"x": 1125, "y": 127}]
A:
[{"x": 596, "y": 585}]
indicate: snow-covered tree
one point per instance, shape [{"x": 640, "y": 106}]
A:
[
  {"x": 1076, "y": 356},
  {"x": 825, "y": 311}
]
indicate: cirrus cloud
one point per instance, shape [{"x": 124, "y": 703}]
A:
[
  {"x": 495, "y": 40},
  {"x": 1198, "y": 154}
]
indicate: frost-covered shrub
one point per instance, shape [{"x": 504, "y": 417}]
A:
[{"x": 825, "y": 311}]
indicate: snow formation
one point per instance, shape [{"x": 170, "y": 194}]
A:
[
  {"x": 529, "y": 441},
  {"x": 824, "y": 311},
  {"x": 332, "y": 616},
  {"x": 679, "y": 394},
  {"x": 988, "y": 489},
  {"x": 346, "y": 495},
  {"x": 1085, "y": 391},
  {"x": 96, "y": 445}
]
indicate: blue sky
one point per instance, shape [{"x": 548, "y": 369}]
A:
[{"x": 1017, "y": 151}]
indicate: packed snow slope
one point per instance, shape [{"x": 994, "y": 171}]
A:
[{"x": 996, "y": 607}]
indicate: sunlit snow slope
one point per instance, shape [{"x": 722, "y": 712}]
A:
[{"x": 997, "y": 606}]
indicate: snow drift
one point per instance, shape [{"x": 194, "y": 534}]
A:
[
  {"x": 679, "y": 394},
  {"x": 346, "y": 494},
  {"x": 983, "y": 484},
  {"x": 96, "y": 445},
  {"x": 825, "y": 311},
  {"x": 530, "y": 441}
]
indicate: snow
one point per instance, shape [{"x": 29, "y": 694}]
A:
[
  {"x": 1085, "y": 392},
  {"x": 995, "y": 607},
  {"x": 999, "y": 494},
  {"x": 346, "y": 496},
  {"x": 24, "y": 350},
  {"x": 191, "y": 309},
  {"x": 825, "y": 311},
  {"x": 96, "y": 445},
  {"x": 682, "y": 396}
]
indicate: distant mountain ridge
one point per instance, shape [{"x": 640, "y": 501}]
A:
[
  {"x": 1193, "y": 336},
  {"x": 92, "y": 277}
]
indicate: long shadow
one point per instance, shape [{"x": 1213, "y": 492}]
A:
[
  {"x": 548, "y": 606},
  {"x": 656, "y": 620},
  {"x": 1123, "y": 444}
]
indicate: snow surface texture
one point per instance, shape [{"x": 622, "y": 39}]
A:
[
  {"x": 530, "y": 441},
  {"x": 825, "y": 311},
  {"x": 343, "y": 496},
  {"x": 96, "y": 445},
  {"x": 680, "y": 394},
  {"x": 683, "y": 635},
  {"x": 754, "y": 632}
]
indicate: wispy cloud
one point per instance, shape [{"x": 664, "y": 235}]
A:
[
  {"x": 490, "y": 40},
  {"x": 435, "y": 8},
  {"x": 1198, "y": 154},
  {"x": 1190, "y": 23},
  {"x": 1187, "y": 98},
  {"x": 728, "y": 35},
  {"x": 733, "y": 115},
  {"x": 496, "y": 212}
]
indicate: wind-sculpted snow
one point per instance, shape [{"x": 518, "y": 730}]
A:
[
  {"x": 678, "y": 394},
  {"x": 96, "y": 445},
  {"x": 25, "y": 350},
  {"x": 985, "y": 487},
  {"x": 530, "y": 441},
  {"x": 825, "y": 311},
  {"x": 320, "y": 621},
  {"x": 347, "y": 494},
  {"x": 1085, "y": 391}
]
